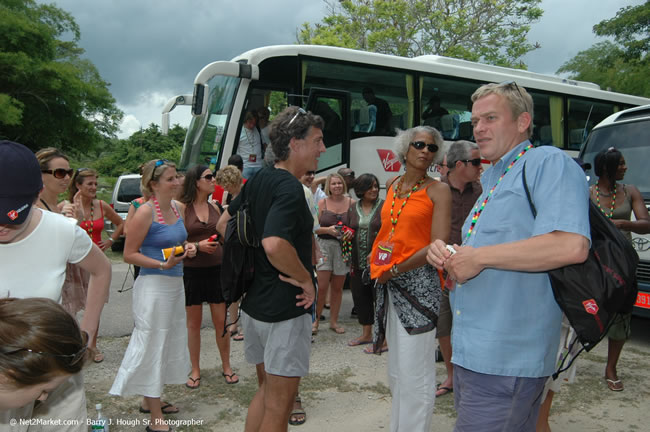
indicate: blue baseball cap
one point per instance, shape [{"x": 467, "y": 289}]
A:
[{"x": 20, "y": 182}]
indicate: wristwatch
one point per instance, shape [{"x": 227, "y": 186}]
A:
[
  {"x": 394, "y": 271},
  {"x": 161, "y": 266}
]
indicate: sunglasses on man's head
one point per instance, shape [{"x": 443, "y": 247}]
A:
[
  {"x": 476, "y": 162},
  {"x": 511, "y": 84},
  {"x": 419, "y": 145},
  {"x": 298, "y": 112},
  {"x": 59, "y": 173}
]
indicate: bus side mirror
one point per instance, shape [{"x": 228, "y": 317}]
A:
[{"x": 199, "y": 100}]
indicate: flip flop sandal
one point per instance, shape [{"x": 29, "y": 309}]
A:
[
  {"x": 231, "y": 376},
  {"x": 369, "y": 350},
  {"x": 614, "y": 385},
  {"x": 99, "y": 357},
  {"x": 238, "y": 337},
  {"x": 338, "y": 330},
  {"x": 196, "y": 383},
  {"x": 165, "y": 406},
  {"x": 445, "y": 390},
  {"x": 357, "y": 342}
]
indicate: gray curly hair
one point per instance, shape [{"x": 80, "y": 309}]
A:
[
  {"x": 405, "y": 137},
  {"x": 293, "y": 122}
]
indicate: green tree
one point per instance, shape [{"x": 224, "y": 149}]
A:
[
  {"x": 49, "y": 95},
  {"x": 123, "y": 156},
  {"x": 621, "y": 65},
  {"x": 490, "y": 31}
]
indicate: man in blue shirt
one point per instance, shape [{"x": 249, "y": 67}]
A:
[{"x": 506, "y": 321}]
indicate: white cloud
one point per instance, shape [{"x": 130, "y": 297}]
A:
[
  {"x": 130, "y": 124},
  {"x": 147, "y": 109}
]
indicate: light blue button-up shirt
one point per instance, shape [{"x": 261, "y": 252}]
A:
[{"x": 507, "y": 322}]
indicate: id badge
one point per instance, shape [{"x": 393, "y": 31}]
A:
[
  {"x": 384, "y": 253},
  {"x": 252, "y": 158},
  {"x": 449, "y": 284}
]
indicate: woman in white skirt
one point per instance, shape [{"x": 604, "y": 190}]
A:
[{"x": 157, "y": 353}]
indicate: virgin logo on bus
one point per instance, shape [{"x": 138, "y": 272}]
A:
[{"x": 389, "y": 160}]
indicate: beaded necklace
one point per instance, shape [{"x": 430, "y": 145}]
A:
[
  {"x": 89, "y": 225},
  {"x": 478, "y": 210},
  {"x": 396, "y": 192},
  {"x": 611, "y": 207},
  {"x": 159, "y": 215}
]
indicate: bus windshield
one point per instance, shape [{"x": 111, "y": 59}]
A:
[
  {"x": 205, "y": 134},
  {"x": 631, "y": 139}
]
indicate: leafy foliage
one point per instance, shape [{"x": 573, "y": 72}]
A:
[
  {"x": 622, "y": 65},
  {"x": 490, "y": 31},
  {"x": 124, "y": 156},
  {"x": 49, "y": 95}
]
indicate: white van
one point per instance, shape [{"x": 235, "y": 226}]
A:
[
  {"x": 127, "y": 188},
  {"x": 629, "y": 132}
]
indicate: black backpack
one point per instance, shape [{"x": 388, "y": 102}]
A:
[
  {"x": 593, "y": 293},
  {"x": 238, "y": 265}
]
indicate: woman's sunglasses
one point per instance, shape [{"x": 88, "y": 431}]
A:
[
  {"x": 476, "y": 162},
  {"x": 71, "y": 358},
  {"x": 419, "y": 145},
  {"x": 59, "y": 173},
  {"x": 208, "y": 177}
]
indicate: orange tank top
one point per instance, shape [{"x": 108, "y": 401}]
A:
[{"x": 412, "y": 232}]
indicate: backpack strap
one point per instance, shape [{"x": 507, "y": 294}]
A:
[{"x": 530, "y": 201}]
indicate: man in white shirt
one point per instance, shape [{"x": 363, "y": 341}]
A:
[
  {"x": 35, "y": 247},
  {"x": 250, "y": 146}
]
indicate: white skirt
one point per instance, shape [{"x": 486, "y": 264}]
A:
[{"x": 157, "y": 353}]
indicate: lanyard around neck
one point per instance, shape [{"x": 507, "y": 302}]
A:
[{"x": 478, "y": 210}]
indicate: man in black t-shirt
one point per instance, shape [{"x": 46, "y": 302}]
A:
[{"x": 276, "y": 309}]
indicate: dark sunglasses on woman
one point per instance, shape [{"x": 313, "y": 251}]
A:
[
  {"x": 419, "y": 145},
  {"x": 208, "y": 177},
  {"x": 59, "y": 173}
]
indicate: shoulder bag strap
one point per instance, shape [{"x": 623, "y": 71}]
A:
[{"x": 530, "y": 201}]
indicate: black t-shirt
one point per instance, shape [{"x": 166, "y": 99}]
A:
[
  {"x": 384, "y": 116},
  {"x": 279, "y": 209}
]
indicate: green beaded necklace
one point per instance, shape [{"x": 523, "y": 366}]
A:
[
  {"x": 396, "y": 192},
  {"x": 611, "y": 208}
]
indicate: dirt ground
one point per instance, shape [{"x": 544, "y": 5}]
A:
[{"x": 346, "y": 389}]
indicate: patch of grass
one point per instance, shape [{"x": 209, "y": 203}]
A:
[
  {"x": 379, "y": 388},
  {"x": 594, "y": 357},
  {"x": 337, "y": 380},
  {"x": 635, "y": 350}
]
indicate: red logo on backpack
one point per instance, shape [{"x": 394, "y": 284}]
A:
[{"x": 590, "y": 306}]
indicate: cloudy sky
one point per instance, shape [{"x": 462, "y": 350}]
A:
[{"x": 151, "y": 50}]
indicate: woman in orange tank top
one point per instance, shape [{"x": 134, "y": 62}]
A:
[{"x": 417, "y": 211}]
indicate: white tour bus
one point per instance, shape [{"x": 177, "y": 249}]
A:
[
  {"x": 629, "y": 132},
  {"x": 329, "y": 81}
]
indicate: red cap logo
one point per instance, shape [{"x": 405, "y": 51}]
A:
[
  {"x": 389, "y": 160},
  {"x": 590, "y": 306},
  {"x": 13, "y": 215}
]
